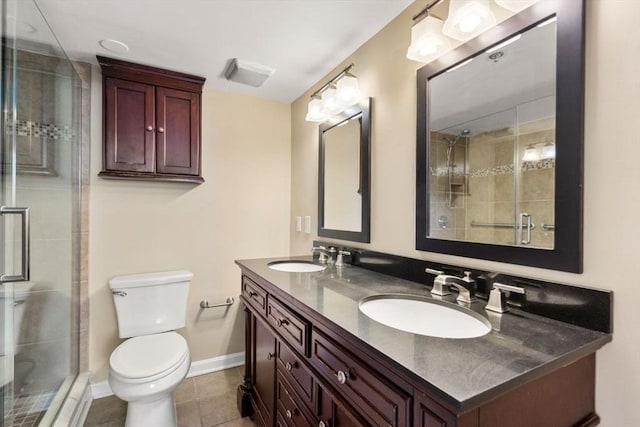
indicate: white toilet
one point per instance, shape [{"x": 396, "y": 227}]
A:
[
  {"x": 14, "y": 296},
  {"x": 146, "y": 369}
]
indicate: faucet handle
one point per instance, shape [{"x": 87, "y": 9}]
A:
[
  {"x": 497, "y": 299},
  {"x": 467, "y": 277},
  {"x": 433, "y": 271},
  {"x": 322, "y": 251},
  {"x": 340, "y": 261}
]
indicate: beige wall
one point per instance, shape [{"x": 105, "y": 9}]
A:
[
  {"x": 612, "y": 177},
  {"x": 241, "y": 211}
]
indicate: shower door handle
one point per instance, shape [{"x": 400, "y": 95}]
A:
[
  {"x": 24, "y": 214},
  {"x": 525, "y": 218}
]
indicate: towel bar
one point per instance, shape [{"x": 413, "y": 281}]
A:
[{"x": 205, "y": 304}]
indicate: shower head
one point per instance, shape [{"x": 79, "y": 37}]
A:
[{"x": 454, "y": 141}]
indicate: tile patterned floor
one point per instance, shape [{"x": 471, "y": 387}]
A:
[
  {"x": 202, "y": 401},
  {"x": 28, "y": 409}
]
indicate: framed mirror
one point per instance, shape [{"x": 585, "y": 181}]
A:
[
  {"x": 344, "y": 174},
  {"x": 500, "y": 142}
]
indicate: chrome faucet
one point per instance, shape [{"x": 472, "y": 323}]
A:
[
  {"x": 327, "y": 256},
  {"x": 466, "y": 286}
]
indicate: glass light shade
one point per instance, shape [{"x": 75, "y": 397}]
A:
[
  {"x": 515, "y": 5},
  {"x": 348, "y": 90},
  {"x": 548, "y": 151},
  {"x": 330, "y": 102},
  {"x": 531, "y": 154},
  {"x": 315, "y": 112},
  {"x": 427, "y": 41},
  {"x": 468, "y": 18}
]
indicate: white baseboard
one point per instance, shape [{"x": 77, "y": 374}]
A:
[{"x": 199, "y": 367}]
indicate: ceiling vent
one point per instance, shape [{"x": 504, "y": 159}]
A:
[{"x": 247, "y": 73}]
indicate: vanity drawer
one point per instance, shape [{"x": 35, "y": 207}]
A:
[
  {"x": 290, "y": 411},
  {"x": 377, "y": 399},
  {"x": 254, "y": 295},
  {"x": 291, "y": 327},
  {"x": 296, "y": 374}
]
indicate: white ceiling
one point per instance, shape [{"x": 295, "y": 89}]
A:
[{"x": 302, "y": 40}]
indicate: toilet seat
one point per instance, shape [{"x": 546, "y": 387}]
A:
[{"x": 148, "y": 357}]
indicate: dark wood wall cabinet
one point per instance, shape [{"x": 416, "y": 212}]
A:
[
  {"x": 151, "y": 123},
  {"x": 303, "y": 370}
]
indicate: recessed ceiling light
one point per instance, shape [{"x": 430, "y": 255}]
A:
[{"x": 114, "y": 46}]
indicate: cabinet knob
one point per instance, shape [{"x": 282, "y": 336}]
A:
[
  {"x": 282, "y": 322},
  {"x": 161, "y": 130},
  {"x": 322, "y": 424},
  {"x": 270, "y": 356},
  {"x": 342, "y": 377},
  {"x": 149, "y": 128},
  {"x": 291, "y": 412},
  {"x": 291, "y": 366}
]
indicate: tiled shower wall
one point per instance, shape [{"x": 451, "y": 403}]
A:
[{"x": 485, "y": 189}]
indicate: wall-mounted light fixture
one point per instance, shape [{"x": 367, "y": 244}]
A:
[
  {"x": 427, "y": 40},
  {"x": 535, "y": 152},
  {"x": 466, "y": 19},
  {"x": 337, "y": 94}
]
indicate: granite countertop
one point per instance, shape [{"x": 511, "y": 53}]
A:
[{"x": 466, "y": 372}]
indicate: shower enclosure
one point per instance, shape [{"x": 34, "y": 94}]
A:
[{"x": 40, "y": 172}]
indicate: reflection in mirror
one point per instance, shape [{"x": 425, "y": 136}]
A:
[
  {"x": 488, "y": 175},
  {"x": 342, "y": 198},
  {"x": 343, "y": 181}
]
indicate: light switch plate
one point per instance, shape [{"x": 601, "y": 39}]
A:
[
  {"x": 307, "y": 224},
  {"x": 298, "y": 223}
]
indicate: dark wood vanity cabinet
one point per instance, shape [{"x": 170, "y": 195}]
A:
[
  {"x": 303, "y": 371},
  {"x": 151, "y": 123}
]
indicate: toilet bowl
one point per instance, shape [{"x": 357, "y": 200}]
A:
[{"x": 145, "y": 369}]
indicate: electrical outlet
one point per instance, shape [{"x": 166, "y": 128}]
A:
[
  {"x": 307, "y": 224},
  {"x": 298, "y": 223}
]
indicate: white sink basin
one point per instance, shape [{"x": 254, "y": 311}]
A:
[
  {"x": 425, "y": 316},
  {"x": 296, "y": 266}
]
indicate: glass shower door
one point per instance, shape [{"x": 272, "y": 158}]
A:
[{"x": 40, "y": 171}]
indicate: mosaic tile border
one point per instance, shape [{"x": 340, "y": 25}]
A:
[
  {"x": 41, "y": 130},
  {"x": 497, "y": 170}
]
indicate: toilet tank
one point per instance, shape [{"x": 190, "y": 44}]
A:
[{"x": 150, "y": 303}]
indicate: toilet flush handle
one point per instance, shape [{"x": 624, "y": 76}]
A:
[{"x": 119, "y": 293}]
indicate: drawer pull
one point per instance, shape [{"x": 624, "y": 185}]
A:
[
  {"x": 270, "y": 356},
  {"x": 253, "y": 294},
  {"x": 322, "y": 424},
  {"x": 282, "y": 322},
  {"x": 291, "y": 366},
  {"x": 149, "y": 128},
  {"x": 342, "y": 377},
  {"x": 290, "y": 413}
]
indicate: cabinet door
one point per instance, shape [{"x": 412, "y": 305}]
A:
[
  {"x": 264, "y": 369},
  {"x": 177, "y": 132},
  {"x": 334, "y": 413},
  {"x": 129, "y": 126},
  {"x": 429, "y": 414}
]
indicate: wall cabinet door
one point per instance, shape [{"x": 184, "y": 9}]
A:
[
  {"x": 264, "y": 359},
  {"x": 177, "y": 131},
  {"x": 129, "y": 126},
  {"x": 151, "y": 123}
]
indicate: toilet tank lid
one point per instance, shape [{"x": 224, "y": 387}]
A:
[{"x": 150, "y": 279}]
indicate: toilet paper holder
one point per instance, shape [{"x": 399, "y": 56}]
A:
[{"x": 205, "y": 304}]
